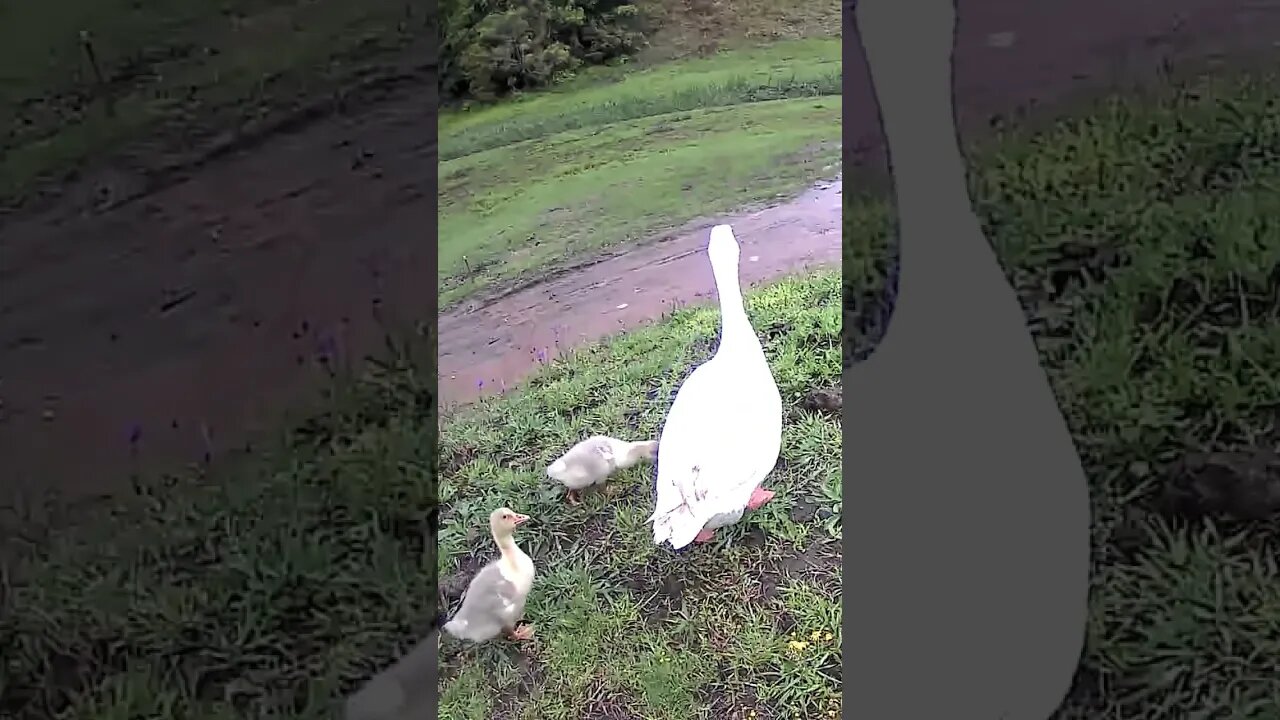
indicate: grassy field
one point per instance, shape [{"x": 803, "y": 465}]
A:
[
  {"x": 1143, "y": 239},
  {"x": 171, "y": 70},
  {"x": 697, "y": 27},
  {"x": 536, "y": 183},
  {"x": 748, "y": 626}
]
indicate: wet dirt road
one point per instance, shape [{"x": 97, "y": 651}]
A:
[
  {"x": 498, "y": 345},
  {"x": 149, "y": 334}
]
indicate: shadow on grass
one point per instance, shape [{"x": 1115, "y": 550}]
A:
[{"x": 1142, "y": 241}]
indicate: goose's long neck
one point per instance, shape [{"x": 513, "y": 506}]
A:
[
  {"x": 733, "y": 314},
  {"x": 914, "y": 89}
]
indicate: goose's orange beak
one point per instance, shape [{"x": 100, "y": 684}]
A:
[{"x": 521, "y": 519}]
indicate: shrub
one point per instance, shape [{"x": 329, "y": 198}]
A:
[{"x": 492, "y": 47}]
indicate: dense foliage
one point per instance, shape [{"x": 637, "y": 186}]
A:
[{"x": 491, "y": 47}]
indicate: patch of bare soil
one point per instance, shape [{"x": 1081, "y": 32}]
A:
[
  {"x": 828, "y": 401},
  {"x": 1241, "y": 485}
]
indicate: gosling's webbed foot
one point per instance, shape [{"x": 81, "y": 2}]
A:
[{"x": 521, "y": 633}]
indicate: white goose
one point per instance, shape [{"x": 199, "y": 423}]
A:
[{"x": 723, "y": 433}]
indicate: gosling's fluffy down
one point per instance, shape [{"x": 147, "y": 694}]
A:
[
  {"x": 596, "y": 458},
  {"x": 495, "y": 598}
]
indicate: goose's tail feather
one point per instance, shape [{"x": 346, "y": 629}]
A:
[
  {"x": 441, "y": 620},
  {"x": 457, "y": 627},
  {"x": 678, "y": 527}
]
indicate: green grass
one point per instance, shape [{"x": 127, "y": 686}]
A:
[
  {"x": 794, "y": 68},
  {"x": 175, "y": 69},
  {"x": 597, "y": 166},
  {"x": 1143, "y": 239},
  {"x": 625, "y": 627},
  {"x": 508, "y": 215}
]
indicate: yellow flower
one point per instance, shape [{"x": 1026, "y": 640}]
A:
[
  {"x": 815, "y": 635},
  {"x": 828, "y": 637},
  {"x": 798, "y": 645}
]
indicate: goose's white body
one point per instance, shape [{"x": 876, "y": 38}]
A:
[{"x": 723, "y": 433}]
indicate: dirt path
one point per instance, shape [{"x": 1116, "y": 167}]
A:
[
  {"x": 174, "y": 325},
  {"x": 499, "y": 344}
]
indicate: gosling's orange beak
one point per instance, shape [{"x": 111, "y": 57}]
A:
[{"x": 520, "y": 519}]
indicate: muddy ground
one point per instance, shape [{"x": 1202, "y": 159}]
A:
[
  {"x": 153, "y": 332},
  {"x": 480, "y": 345}
]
